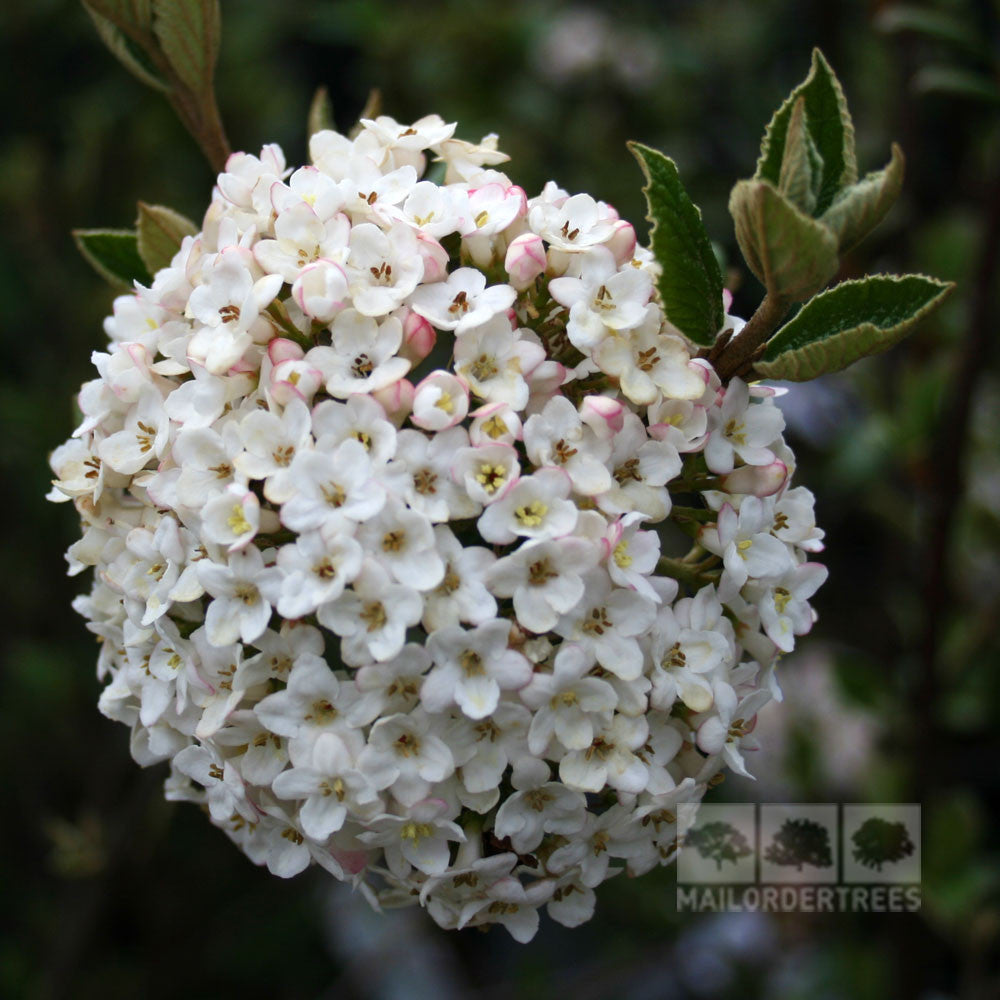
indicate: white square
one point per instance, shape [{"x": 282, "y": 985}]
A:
[
  {"x": 718, "y": 843},
  {"x": 881, "y": 843},
  {"x": 798, "y": 843}
]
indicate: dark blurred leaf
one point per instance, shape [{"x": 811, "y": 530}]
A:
[
  {"x": 189, "y": 33},
  {"x": 114, "y": 254},
  {"x": 951, "y": 81},
  {"x": 130, "y": 55},
  {"x": 690, "y": 282},
  {"x": 320, "y": 112},
  {"x": 934, "y": 24},
  {"x": 851, "y": 321}
]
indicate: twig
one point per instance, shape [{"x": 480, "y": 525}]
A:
[{"x": 740, "y": 352}]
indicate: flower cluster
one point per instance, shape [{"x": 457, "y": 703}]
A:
[{"x": 424, "y": 548}]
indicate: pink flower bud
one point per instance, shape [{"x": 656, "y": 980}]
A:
[
  {"x": 757, "y": 480},
  {"x": 525, "y": 260},
  {"x": 604, "y": 415},
  {"x": 281, "y": 349},
  {"x": 434, "y": 256},
  {"x": 622, "y": 242},
  {"x": 419, "y": 338},
  {"x": 441, "y": 400},
  {"x": 396, "y": 400}
]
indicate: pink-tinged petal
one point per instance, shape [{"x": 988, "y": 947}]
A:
[
  {"x": 758, "y": 480},
  {"x": 419, "y": 338},
  {"x": 604, "y": 415},
  {"x": 396, "y": 400},
  {"x": 434, "y": 257},
  {"x": 525, "y": 260},
  {"x": 622, "y": 242}
]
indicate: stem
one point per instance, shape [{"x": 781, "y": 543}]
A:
[{"x": 740, "y": 351}]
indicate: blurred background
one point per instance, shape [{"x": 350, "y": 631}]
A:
[{"x": 108, "y": 891}]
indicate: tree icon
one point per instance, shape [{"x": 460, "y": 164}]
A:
[
  {"x": 877, "y": 841},
  {"x": 718, "y": 841},
  {"x": 800, "y": 842}
]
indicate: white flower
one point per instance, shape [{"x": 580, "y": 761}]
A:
[
  {"x": 784, "y": 608},
  {"x": 472, "y": 668},
  {"x": 610, "y": 759},
  {"x": 568, "y": 702},
  {"x": 648, "y": 362},
  {"x": 556, "y": 436},
  {"x": 402, "y": 541},
  {"x": 383, "y": 268},
  {"x": 602, "y": 299},
  {"x": 271, "y": 444},
  {"x": 461, "y": 595},
  {"x": 421, "y": 475},
  {"x": 493, "y": 360},
  {"x": 535, "y": 507},
  {"x": 372, "y": 617},
  {"x": 363, "y": 357},
  {"x": 545, "y": 579},
  {"x": 739, "y": 428},
  {"x": 308, "y": 705},
  {"x": 404, "y": 756},
  {"x": 607, "y": 621},
  {"x": 747, "y": 547},
  {"x": 232, "y": 517},
  {"x": 539, "y": 806},
  {"x": 144, "y": 437},
  {"x": 239, "y": 610},
  {"x": 333, "y": 488},
  {"x": 311, "y": 572},
  {"x": 420, "y": 838},
  {"x": 463, "y": 301},
  {"x": 331, "y": 786},
  {"x": 227, "y": 309},
  {"x": 393, "y": 635},
  {"x": 573, "y": 225},
  {"x": 302, "y": 239}
]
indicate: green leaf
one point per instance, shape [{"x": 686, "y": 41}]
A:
[
  {"x": 320, "y": 112},
  {"x": 857, "y": 210},
  {"x": 690, "y": 282},
  {"x": 188, "y": 31},
  {"x": 160, "y": 231},
  {"x": 801, "y": 166},
  {"x": 848, "y": 322},
  {"x": 954, "y": 82},
  {"x": 793, "y": 256},
  {"x": 114, "y": 254},
  {"x": 130, "y": 55},
  {"x": 830, "y": 129}
]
